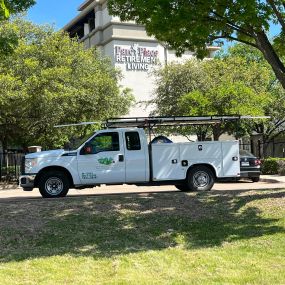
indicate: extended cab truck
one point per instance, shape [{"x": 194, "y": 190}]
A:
[{"x": 123, "y": 156}]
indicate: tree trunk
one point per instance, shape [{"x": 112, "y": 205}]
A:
[
  {"x": 201, "y": 135},
  {"x": 270, "y": 55},
  {"x": 4, "y": 144},
  {"x": 216, "y": 132}
]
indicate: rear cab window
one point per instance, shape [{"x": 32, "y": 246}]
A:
[{"x": 133, "y": 141}]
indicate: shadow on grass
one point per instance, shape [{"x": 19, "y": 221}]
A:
[{"x": 103, "y": 226}]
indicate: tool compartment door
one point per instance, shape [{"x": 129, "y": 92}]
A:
[
  {"x": 166, "y": 162},
  {"x": 231, "y": 161}
]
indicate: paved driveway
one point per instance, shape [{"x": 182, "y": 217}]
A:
[{"x": 19, "y": 194}]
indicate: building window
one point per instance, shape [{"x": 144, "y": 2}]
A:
[{"x": 91, "y": 22}]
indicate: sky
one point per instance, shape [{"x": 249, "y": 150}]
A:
[{"x": 57, "y": 12}]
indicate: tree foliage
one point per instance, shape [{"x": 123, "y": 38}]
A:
[
  {"x": 274, "y": 127},
  {"x": 8, "y": 38},
  {"x": 51, "y": 79},
  {"x": 222, "y": 86},
  {"x": 8, "y": 7},
  {"x": 4, "y": 12},
  {"x": 195, "y": 24}
]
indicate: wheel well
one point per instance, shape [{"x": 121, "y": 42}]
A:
[
  {"x": 51, "y": 169},
  {"x": 203, "y": 164}
]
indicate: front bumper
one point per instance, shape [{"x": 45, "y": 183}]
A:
[{"x": 27, "y": 181}]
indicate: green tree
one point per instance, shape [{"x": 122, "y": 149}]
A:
[
  {"x": 274, "y": 127},
  {"x": 193, "y": 25},
  {"x": 220, "y": 86},
  {"x": 51, "y": 79},
  {"x": 4, "y": 12},
  {"x": 8, "y": 38},
  {"x": 8, "y": 7}
]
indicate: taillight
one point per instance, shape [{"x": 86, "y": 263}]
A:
[{"x": 257, "y": 162}]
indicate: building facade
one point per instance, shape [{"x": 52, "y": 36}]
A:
[{"x": 128, "y": 46}]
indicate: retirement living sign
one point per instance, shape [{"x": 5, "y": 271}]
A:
[{"x": 136, "y": 57}]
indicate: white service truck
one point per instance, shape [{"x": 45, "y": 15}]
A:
[{"x": 124, "y": 156}]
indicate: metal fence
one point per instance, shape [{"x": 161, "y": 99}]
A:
[
  {"x": 10, "y": 166},
  {"x": 265, "y": 149}
]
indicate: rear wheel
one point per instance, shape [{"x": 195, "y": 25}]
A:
[
  {"x": 54, "y": 184},
  {"x": 200, "y": 178}
]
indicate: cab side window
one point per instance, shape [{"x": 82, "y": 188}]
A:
[
  {"x": 104, "y": 142},
  {"x": 133, "y": 141}
]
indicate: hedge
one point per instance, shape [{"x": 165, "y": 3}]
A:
[{"x": 273, "y": 165}]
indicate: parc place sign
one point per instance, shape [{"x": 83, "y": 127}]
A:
[{"x": 136, "y": 57}]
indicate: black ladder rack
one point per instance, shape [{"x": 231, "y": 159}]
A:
[{"x": 150, "y": 122}]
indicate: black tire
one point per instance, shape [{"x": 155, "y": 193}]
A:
[
  {"x": 182, "y": 187},
  {"x": 54, "y": 184},
  {"x": 254, "y": 179},
  {"x": 200, "y": 178}
]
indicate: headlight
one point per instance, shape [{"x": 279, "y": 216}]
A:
[{"x": 30, "y": 163}]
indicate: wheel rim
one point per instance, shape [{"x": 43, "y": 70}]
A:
[
  {"x": 54, "y": 186},
  {"x": 201, "y": 179}
]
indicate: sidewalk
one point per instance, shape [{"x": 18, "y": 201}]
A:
[
  {"x": 6, "y": 186},
  {"x": 273, "y": 178}
]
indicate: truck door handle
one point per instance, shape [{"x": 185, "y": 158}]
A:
[{"x": 121, "y": 157}]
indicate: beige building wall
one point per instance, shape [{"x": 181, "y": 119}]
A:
[{"x": 129, "y": 48}]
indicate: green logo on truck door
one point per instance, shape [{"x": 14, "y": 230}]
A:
[{"x": 106, "y": 160}]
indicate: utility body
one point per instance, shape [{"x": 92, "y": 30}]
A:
[{"x": 124, "y": 156}]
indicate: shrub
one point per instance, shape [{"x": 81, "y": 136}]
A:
[
  {"x": 269, "y": 166},
  {"x": 281, "y": 167},
  {"x": 273, "y": 165}
]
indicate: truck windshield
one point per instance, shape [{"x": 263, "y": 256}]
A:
[{"x": 74, "y": 144}]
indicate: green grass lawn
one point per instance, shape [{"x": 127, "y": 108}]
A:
[{"x": 219, "y": 237}]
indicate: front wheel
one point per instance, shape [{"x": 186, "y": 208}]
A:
[
  {"x": 200, "y": 178},
  {"x": 53, "y": 185}
]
